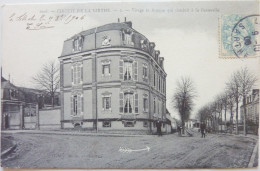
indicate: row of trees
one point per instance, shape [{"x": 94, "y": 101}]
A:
[{"x": 237, "y": 89}]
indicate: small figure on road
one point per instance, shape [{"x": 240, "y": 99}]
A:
[
  {"x": 179, "y": 130},
  {"x": 203, "y": 129},
  {"x": 159, "y": 125}
]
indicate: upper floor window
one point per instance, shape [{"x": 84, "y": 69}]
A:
[
  {"x": 77, "y": 73},
  {"x": 154, "y": 106},
  {"x": 154, "y": 78},
  {"x": 106, "y": 69},
  {"x": 128, "y": 70},
  {"x": 145, "y": 102},
  {"x": 145, "y": 72},
  {"x": 127, "y": 37},
  {"x": 78, "y": 43}
]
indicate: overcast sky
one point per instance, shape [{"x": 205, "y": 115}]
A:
[{"x": 187, "y": 40}]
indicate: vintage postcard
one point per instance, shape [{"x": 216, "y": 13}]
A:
[{"x": 130, "y": 85}]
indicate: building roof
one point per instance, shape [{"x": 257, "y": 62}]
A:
[{"x": 106, "y": 27}]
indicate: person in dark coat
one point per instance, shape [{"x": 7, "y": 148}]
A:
[
  {"x": 179, "y": 130},
  {"x": 159, "y": 125},
  {"x": 203, "y": 129}
]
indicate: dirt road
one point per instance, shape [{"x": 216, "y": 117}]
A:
[{"x": 170, "y": 151}]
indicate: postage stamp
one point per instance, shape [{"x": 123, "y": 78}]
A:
[{"x": 239, "y": 36}]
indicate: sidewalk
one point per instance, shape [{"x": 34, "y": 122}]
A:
[
  {"x": 7, "y": 146},
  {"x": 74, "y": 133}
]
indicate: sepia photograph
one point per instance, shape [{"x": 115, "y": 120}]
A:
[{"x": 130, "y": 85}]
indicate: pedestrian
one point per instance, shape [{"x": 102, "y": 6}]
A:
[
  {"x": 159, "y": 125},
  {"x": 203, "y": 129},
  {"x": 179, "y": 130}
]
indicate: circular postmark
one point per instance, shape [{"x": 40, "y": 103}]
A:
[{"x": 245, "y": 36}]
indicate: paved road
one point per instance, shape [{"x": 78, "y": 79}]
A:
[{"x": 170, "y": 151}]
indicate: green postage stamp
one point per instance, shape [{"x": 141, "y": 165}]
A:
[{"x": 239, "y": 36}]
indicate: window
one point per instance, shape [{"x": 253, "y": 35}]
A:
[
  {"x": 77, "y": 73},
  {"x": 145, "y": 124},
  {"x": 145, "y": 72},
  {"x": 78, "y": 43},
  {"x": 128, "y": 105},
  {"x": 154, "y": 79},
  {"x": 106, "y": 103},
  {"x": 129, "y": 124},
  {"x": 128, "y": 70},
  {"x": 77, "y": 104},
  {"x": 154, "y": 106},
  {"x": 128, "y": 102},
  {"x": 106, "y": 124},
  {"x": 127, "y": 36},
  {"x": 106, "y": 70},
  {"x": 145, "y": 103},
  {"x": 159, "y": 83}
]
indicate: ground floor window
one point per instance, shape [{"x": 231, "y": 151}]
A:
[
  {"x": 77, "y": 104},
  {"x": 129, "y": 124},
  {"x": 145, "y": 123},
  {"x": 106, "y": 103},
  {"x": 106, "y": 123}
]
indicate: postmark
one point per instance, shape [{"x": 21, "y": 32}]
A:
[{"x": 239, "y": 36}]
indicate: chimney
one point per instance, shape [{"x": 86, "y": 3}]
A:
[
  {"x": 118, "y": 20},
  {"x": 125, "y": 19}
]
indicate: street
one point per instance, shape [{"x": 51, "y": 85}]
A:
[{"x": 168, "y": 151}]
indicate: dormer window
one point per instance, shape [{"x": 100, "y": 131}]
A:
[
  {"x": 127, "y": 36},
  {"x": 78, "y": 43}
]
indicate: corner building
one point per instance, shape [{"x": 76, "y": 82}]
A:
[{"x": 112, "y": 78}]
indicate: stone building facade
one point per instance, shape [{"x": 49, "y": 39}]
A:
[
  {"x": 112, "y": 78},
  {"x": 252, "y": 111}
]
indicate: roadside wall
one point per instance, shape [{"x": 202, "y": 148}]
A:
[{"x": 50, "y": 118}]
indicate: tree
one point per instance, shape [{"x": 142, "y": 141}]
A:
[
  {"x": 234, "y": 88},
  {"x": 183, "y": 98},
  {"x": 48, "y": 79},
  {"x": 240, "y": 85},
  {"x": 247, "y": 81}
]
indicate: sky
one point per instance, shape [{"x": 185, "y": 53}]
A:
[{"x": 189, "y": 41}]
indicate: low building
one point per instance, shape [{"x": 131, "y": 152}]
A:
[
  {"x": 20, "y": 105},
  {"x": 192, "y": 123}
]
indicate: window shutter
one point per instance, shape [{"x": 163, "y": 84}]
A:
[
  {"x": 81, "y": 72},
  {"x": 121, "y": 102},
  {"x": 82, "y": 103},
  {"x": 123, "y": 36},
  {"x": 121, "y": 70},
  {"x": 103, "y": 103},
  {"x": 72, "y": 78},
  {"x": 135, "y": 71},
  {"x": 72, "y": 107},
  {"x": 136, "y": 103},
  {"x": 109, "y": 102}
]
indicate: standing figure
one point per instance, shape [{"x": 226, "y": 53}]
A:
[
  {"x": 159, "y": 125},
  {"x": 202, "y": 130}
]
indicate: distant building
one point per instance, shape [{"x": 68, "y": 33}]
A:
[
  {"x": 252, "y": 110},
  {"x": 18, "y": 105},
  {"x": 112, "y": 78},
  {"x": 192, "y": 123}
]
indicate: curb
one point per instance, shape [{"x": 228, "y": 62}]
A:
[
  {"x": 252, "y": 158},
  {"x": 8, "y": 151},
  {"x": 72, "y": 133}
]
